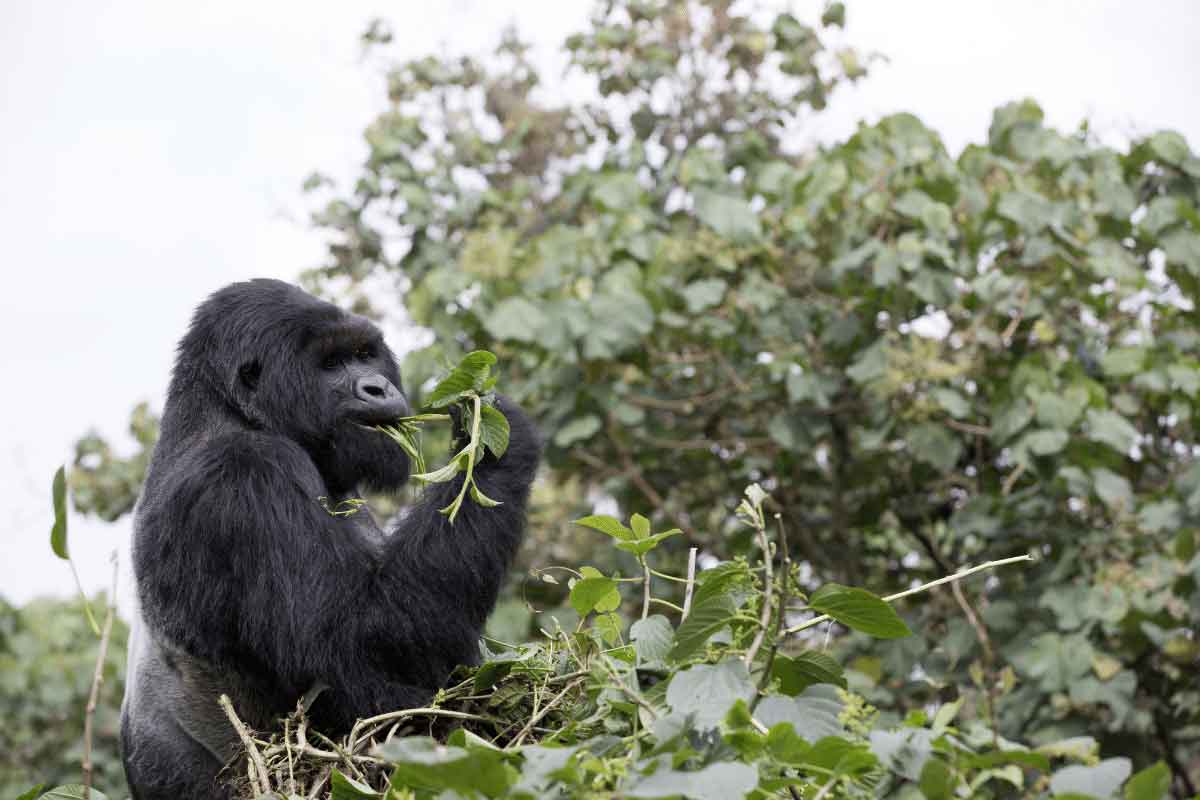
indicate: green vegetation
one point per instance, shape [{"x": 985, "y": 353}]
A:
[
  {"x": 47, "y": 659},
  {"x": 927, "y": 360}
]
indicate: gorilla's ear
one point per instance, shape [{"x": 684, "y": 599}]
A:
[{"x": 249, "y": 373}]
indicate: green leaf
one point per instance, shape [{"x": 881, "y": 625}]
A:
[
  {"x": 704, "y": 294},
  {"x": 1112, "y": 429},
  {"x": 860, "y": 610},
  {"x": 716, "y": 582},
  {"x": 422, "y": 763},
  {"x": 721, "y": 781},
  {"x": 904, "y": 751},
  {"x": 937, "y": 781},
  {"x": 814, "y": 713},
  {"x": 493, "y": 429},
  {"x": 640, "y": 526},
  {"x": 71, "y": 791},
  {"x": 1113, "y": 489},
  {"x": 730, "y": 216},
  {"x": 652, "y": 638},
  {"x": 606, "y": 525},
  {"x": 452, "y": 467},
  {"x": 1169, "y": 146},
  {"x": 617, "y": 191},
  {"x": 1121, "y": 362},
  {"x": 912, "y": 203},
  {"x": 58, "y": 533},
  {"x": 1054, "y": 661},
  {"x": 643, "y": 546},
  {"x": 577, "y": 430},
  {"x": 1031, "y": 212},
  {"x": 599, "y": 594},
  {"x": 469, "y": 376},
  {"x": 705, "y": 619},
  {"x": 795, "y": 674},
  {"x": 482, "y": 499},
  {"x": 516, "y": 319},
  {"x": 32, "y": 793},
  {"x": 709, "y": 691},
  {"x": 1043, "y": 443},
  {"x": 1102, "y": 780},
  {"x": 1152, "y": 783},
  {"x": 344, "y": 788},
  {"x": 935, "y": 445},
  {"x": 952, "y": 402}
]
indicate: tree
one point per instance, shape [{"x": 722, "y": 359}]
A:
[{"x": 928, "y": 360}]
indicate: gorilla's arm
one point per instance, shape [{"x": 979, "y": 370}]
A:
[
  {"x": 240, "y": 565},
  {"x": 460, "y": 567}
]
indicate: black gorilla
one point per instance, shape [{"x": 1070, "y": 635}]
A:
[{"x": 249, "y": 586}]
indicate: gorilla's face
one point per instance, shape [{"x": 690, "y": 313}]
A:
[
  {"x": 302, "y": 368},
  {"x": 360, "y": 384}
]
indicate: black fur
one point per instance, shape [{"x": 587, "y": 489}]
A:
[{"x": 250, "y": 587}]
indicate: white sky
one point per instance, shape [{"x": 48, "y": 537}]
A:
[{"x": 152, "y": 152}]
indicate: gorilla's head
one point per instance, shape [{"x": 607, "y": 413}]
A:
[{"x": 266, "y": 355}]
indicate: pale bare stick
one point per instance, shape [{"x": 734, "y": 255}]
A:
[
  {"x": 97, "y": 679},
  {"x": 925, "y": 586},
  {"x": 256, "y": 761},
  {"x": 768, "y": 575},
  {"x": 691, "y": 583}
]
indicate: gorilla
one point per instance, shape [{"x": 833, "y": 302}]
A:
[{"x": 249, "y": 586}]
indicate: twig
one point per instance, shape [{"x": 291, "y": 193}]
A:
[
  {"x": 691, "y": 583},
  {"x": 97, "y": 679},
  {"x": 985, "y": 642},
  {"x": 536, "y": 718},
  {"x": 377, "y": 721},
  {"x": 256, "y": 761},
  {"x": 924, "y": 587},
  {"x": 1012, "y": 479},
  {"x": 966, "y": 427},
  {"x": 768, "y": 577}
]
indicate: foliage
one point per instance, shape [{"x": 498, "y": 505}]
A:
[
  {"x": 722, "y": 705},
  {"x": 928, "y": 360},
  {"x": 47, "y": 660}
]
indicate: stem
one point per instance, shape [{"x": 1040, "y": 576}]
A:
[
  {"x": 97, "y": 679},
  {"x": 777, "y": 637},
  {"x": 768, "y": 577},
  {"x": 924, "y": 587},
  {"x": 667, "y": 603},
  {"x": 645, "y": 588},
  {"x": 472, "y": 448},
  {"x": 691, "y": 582},
  {"x": 668, "y": 576},
  {"x": 87, "y": 606}
]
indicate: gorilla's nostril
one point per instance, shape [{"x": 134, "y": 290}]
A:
[{"x": 373, "y": 390}]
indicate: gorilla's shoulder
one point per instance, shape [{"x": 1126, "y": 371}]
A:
[{"x": 244, "y": 459}]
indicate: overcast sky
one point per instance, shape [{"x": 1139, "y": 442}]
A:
[{"x": 152, "y": 152}]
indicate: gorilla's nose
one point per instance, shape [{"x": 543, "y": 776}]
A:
[{"x": 380, "y": 396}]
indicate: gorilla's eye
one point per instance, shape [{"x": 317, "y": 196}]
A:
[
  {"x": 365, "y": 353},
  {"x": 249, "y": 374},
  {"x": 331, "y": 362}
]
